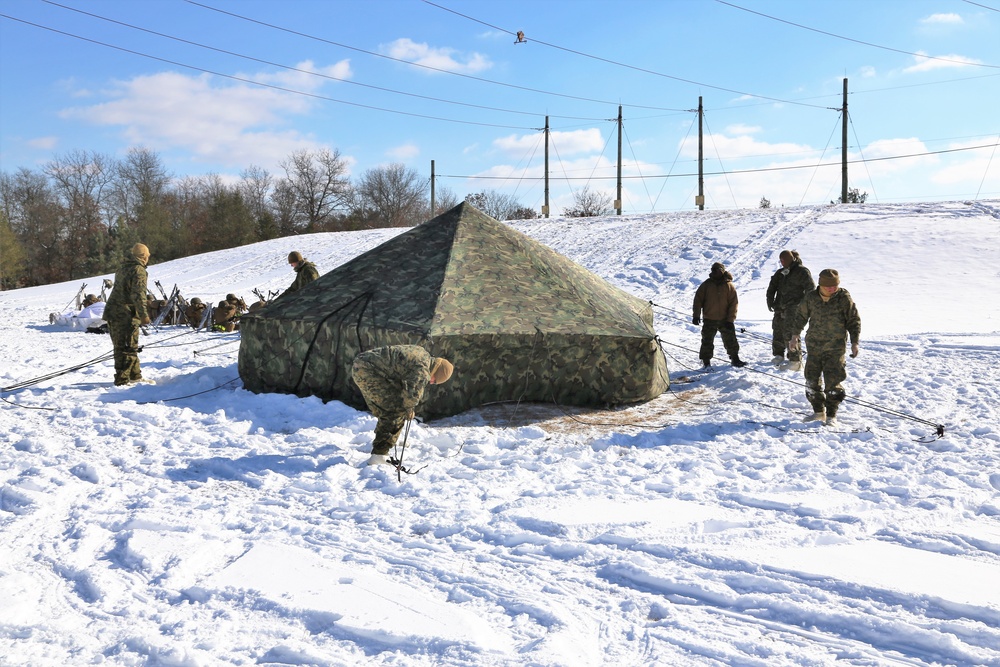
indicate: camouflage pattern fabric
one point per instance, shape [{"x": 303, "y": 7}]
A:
[
  {"x": 305, "y": 273},
  {"x": 392, "y": 380},
  {"x": 830, "y": 324},
  {"x": 785, "y": 292},
  {"x": 222, "y": 316},
  {"x": 125, "y": 309},
  {"x": 521, "y": 321},
  {"x": 194, "y": 312}
]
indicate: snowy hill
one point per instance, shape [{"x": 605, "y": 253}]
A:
[{"x": 190, "y": 522}]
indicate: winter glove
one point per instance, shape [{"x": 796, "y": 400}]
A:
[
  {"x": 696, "y": 320},
  {"x": 793, "y": 343},
  {"x": 854, "y": 350}
]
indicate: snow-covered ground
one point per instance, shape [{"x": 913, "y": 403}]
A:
[{"x": 190, "y": 522}]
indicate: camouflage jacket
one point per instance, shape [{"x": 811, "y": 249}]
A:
[
  {"x": 830, "y": 322},
  {"x": 128, "y": 297},
  {"x": 305, "y": 273},
  {"x": 223, "y": 313},
  {"x": 788, "y": 286},
  {"x": 717, "y": 298},
  {"x": 393, "y": 378}
]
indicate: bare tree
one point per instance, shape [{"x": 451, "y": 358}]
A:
[
  {"x": 588, "y": 203},
  {"x": 318, "y": 180},
  {"x": 256, "y": 186},
  {"x": 35, "y": 216},
  {"x": 390, "y": 196},
  {"x": 11, "y": 255},
  {"x": 499, "y": 205},
  {"x": 82, "y": 180}
]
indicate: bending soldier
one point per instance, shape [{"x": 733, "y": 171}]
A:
[
  {"x": 305, "y": 271},
  {"x": 392, "y": 379}
]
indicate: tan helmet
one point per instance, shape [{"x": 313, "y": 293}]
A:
[
  {"x": 140, "y": 252},
  {"x": 294, "y": 256}
]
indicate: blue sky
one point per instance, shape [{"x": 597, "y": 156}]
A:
[{"x": 226, "y": 85}]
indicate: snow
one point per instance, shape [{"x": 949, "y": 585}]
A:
[{"x": 190, "y": 522}]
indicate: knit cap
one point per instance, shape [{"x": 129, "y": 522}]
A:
[{"x": 829, "y": 278}]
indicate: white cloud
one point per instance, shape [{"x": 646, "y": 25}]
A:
[
  {"x": 739, "y": 128},
  {"x": 227, "y": 124},
  {"x": 407, "y": 151},
  {"x": 867, "y": 72},
  {"x": 442, "y": 58},
  {"x": 43, "y": 143},
  {"x": 925, "y": 63},
  {"x": 942, "y": 19},
  {"x": 566, "y": 143},
  {"x": 304, "y": 77}
]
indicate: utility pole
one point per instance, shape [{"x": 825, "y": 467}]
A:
[
  {"x": 433, "y": 206},
  {"x": 843, "y": 152},
  {"x": 700, "y": 199},
  {"x": 618, "y": 201},
  {"x": 545, "y": 206}
]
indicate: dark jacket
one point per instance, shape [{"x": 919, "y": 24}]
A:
[
  {"x": 716, "y": 297},
  {"x": 788, "y": 286}
]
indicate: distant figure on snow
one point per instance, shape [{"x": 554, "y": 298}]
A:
[
  {"x": 784, "y": 293},
  {"x": 125, "y": 312},
  {"x": 392, "y": 379},
  {"x": 832, "y": 317},
  {"x": 305, "y": 271},
  {"x": 717, "y": 299}
]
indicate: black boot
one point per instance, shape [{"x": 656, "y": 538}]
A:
[{"x": 738, "y": 363}]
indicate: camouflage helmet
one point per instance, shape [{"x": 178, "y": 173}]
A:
[
  {"x": 231, "y": 297},
  {"x": 294, "y": 256},
  {"x": 196, "y": 301}
]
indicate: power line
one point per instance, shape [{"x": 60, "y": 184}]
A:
[
  {"x": 856, "y": 41},
  {"x": 625, "y": 65},
  {"x": 749, "y": 171},
  {"x": 421, "y": 65},
  {"x": 262, "y": 84},
  {"x": 298, "y": 69}
]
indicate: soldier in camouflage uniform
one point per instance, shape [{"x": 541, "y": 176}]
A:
[
  {"x": 223, "y": 316},
  {"x": 832, "y": 317},
  {"x": 195, "y": 311},
  {"x": 125, "y": 312},
  {"x": 305, "y": 271},
  {"x": 90, "y": 300},
  {"x": 392, "y": 379},
  {"x": 784, "y": 293}
]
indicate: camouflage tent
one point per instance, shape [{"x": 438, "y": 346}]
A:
[{"x": 518, "y": 320}]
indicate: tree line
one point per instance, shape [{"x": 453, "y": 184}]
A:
[{"x": 77, "y": 215}]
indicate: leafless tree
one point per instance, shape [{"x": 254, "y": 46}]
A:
[
  {"x": 256, "y": 186},
  {"x": 318, "y": 180},
  {"x": 588, "y": 203},
  {"x": 498, "y": 205},
  {"x": 391, "y": 196}
]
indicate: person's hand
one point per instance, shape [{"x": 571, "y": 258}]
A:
[
  {"x": 145, "y": 320},
  {"x": 410, "y": 414},
  {"x": 696, "y": 320},
  {"x": 793, "y": 343},
  {"x": 854, "y": 350}
]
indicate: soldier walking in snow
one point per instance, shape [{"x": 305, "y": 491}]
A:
[
  {"x": 305, "y": 271},
  {"x": 125, "y": 312},
  {"x": 717, "y": 299},
  {"x": 784, "y": 293},
  {"x": 832, "y": 316},
  {"x": 392, "y": 379}
]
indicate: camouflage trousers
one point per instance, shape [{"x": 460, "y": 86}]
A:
[
  {"x": 826, "y": 369},
  {"x": 782, "y": 332},
  {"x": 125, "y": 338},
  {"x": 708, "y": 330},
  {"x": 387, "y": 431}
]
